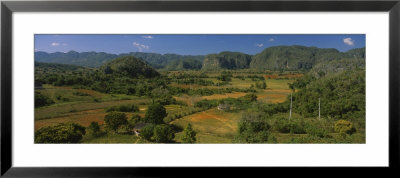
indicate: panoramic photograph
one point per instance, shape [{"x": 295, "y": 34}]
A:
[{"x": 199, "y": 88}]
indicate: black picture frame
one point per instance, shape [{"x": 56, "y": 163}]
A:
[{"x": 8, "y": 7}]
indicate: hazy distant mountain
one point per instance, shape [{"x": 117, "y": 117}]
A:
[
  {"x": 96, "y": 59},
  {"x": 88, "y": 59}
]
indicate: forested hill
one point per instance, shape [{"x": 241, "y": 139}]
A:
[
  {"x": 299, "y": 57},
  {"x": 279, "y": 58},
  {"x": 97, "y": 59},
  {"x": 226, "y": 60},
  {"x": 129, "y": 66},
  {"x": 184, "y": 64}
]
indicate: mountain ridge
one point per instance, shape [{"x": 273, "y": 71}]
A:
[{"x": 295, "y": 57}]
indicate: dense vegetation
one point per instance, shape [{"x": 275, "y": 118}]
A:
[{"x": 340, "y": 94}]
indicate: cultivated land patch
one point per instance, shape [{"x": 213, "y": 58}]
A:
[
  {"x": 273, "y": 95},
  {"x": 75, "y": 103},
  {"x": 212, "y": 126},
  {"x": 225, "y": 95}
]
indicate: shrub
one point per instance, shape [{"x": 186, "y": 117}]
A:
[
  {"x": 343, "y": 126},
  {"x": 283, "y": 125},
  {"x": 225, "y": 76},
  {"x": 261, "y": 85},
  {"x": 317, "y": 131},
  {"x": 115, "y": 119},
  {"x": 147, "y": 132},
  {"x": 206, "y": 104},
  {"x": 250, "y": 97},
  {"x": 253, "y": 128},
  {"x": 163, "y": 133},
  {"x": 135, "y": 119},
  {"x": 93, "y": 130},
  {"x": 42, "y": 100},
  {"x": 81, "y": 94},
  {"x": 123, "y": 108},
  {"x": 61, "y": 133},
  {"x": 189, "y": 135}
]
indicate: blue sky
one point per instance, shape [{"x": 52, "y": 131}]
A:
[{"x": 190, "y": 44}]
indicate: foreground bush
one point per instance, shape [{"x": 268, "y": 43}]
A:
[
  {"x": 163, "y": 134},
  {"x": 343, "y": 126},
  {"x": 189, "y": 135},
  {"x": 61, "y": 133},
  {"x": 93, "y": 130},
  {"x": 147, "y": 132},
  {"x": 253, "y": 128},
  {"x": 135, "y": 119},
  {"x": 317, "y": 131}
]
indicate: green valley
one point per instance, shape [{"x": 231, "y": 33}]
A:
[{"x": 284, "y": 94}]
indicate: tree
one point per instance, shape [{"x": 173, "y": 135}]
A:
[
  {"x": 61, "y": 133},
  {"x": 42, "y": 100},
  {"x": 225, "y": 76},
  {"x": 253, "y": 128},
  {"x": 261, "y": 85},
  {"x": 115, "y": 119},
  {"x": 250, "y": 97},
  {"x": 147, "y": 132},
  {"x": 108, "y": 70},
  {"x": 93, "y": 130},
  {"x": 155, "y": 114},
  {"x": 189, "y": 135},
  {"x": 135, "y": 119},
  {"x": 163, "y": 133},
  {"x": 162, "y": 96}
]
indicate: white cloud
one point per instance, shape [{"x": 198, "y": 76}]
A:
[
  {"x": 55, "y": 44},
  {"x": 259, "y": 45},
  {"x": 140, "y": 47},
  {"x": 271, "y": 40},
  {"x": 148, "y": 37},
  {"x": 348, "y": 41}
]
